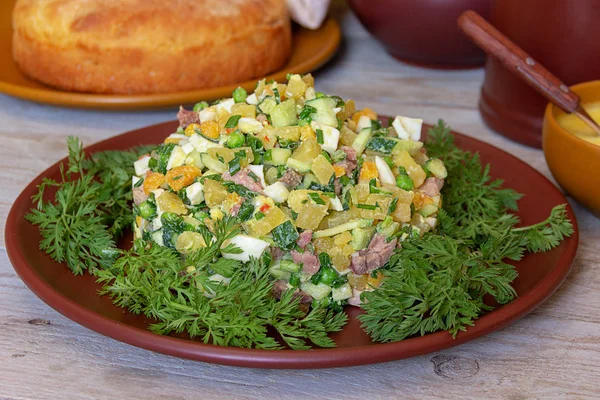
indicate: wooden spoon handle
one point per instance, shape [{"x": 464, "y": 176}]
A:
[{"x": 516, "y": 60}]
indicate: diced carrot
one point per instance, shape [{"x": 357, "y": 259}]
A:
[
  {"x": 153, "y": 181},
  {"x": 339, "y": 171},
  {"x": 368, "y": 171}
]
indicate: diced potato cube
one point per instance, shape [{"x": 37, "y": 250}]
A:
[
  {"x": 288, "y": 132},
  {"x": 307, "y": 132},
  {"x": 347, "y": 136},
  {"x": 309, "y": 80},
  {"x": 273, "y": 218},
  {"x": 382, "y": 203},
  {"x": 414, "y": 170},
  {"x": 243, "y": 109},
  {"x": 214, "y": 192},
  {"x": 296, "y": 87},
  {"x": 342, "y": 238},
  {"x": 322, "y": 169},
  {"x": 310, "y": 214},
  {"x": 307, "y": 151},
  {"x": 169, "y": 202},
  {"x": 229, "y": 154},
  {"x": 405, "y": 199}
]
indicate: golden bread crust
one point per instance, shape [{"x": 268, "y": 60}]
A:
[{"x": 149, "y": 46}]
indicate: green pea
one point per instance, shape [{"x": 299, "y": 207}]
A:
[
  {"x": 404, "y": 182},
  {"x": 200, "y": 106},
  {"x": 236, "y": 139},
  {"x": 319, "y": 94},
  {"x": 239, "y": 95},
  {"x": 147, "y": 210},
  {"x": 328, "y": 275}
]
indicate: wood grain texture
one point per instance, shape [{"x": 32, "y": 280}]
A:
[{"x": 552, "y": 353}]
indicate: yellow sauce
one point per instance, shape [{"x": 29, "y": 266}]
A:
[{"x": 576, "y": 126}]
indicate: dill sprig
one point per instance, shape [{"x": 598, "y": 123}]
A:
[
  {"x": 90, "y": 209},
  {"x": 438, "y": 282},
  {"x": 179, "y": 294}
]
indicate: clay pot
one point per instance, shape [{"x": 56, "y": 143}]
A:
[
  {"x": 422, "y": 31},
  {"x": 561, "y": 35}
]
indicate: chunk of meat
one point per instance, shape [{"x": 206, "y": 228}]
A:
[
  {"x": 139, "y": 196},
  {"x": 243, "y": 178},
  {"x": 277, "y": 253},
  {"x": 337, "y": 186},
  {"x": 350, "y": 163},
  {"x": 291, "y": 178},
  {"x": 431, "y": 187},
  {"x": 187, "y": 117},
  {"x": 235, "y": 209},
  {"x": 261, "y": 118},
  {"x": 280, "y": 286},
  {"x": 375, "y": 256},
  {"x": 305, "y": 238},
  {"x": 309, "y": 261}
]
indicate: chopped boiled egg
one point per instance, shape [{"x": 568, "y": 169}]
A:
[
  {"x": 249, "y": 125},
  {"x": 177, "y": 158},
  {"x": 277, "y": 191},
  {"x": 408, "y": 128},
  {"x": 252, "y": 99},
  {"x": 363, "y": 122},
  {"x": 195, "y": 193},
  {"x": 335, "y": 204},
  {"x": 225, "y": 105},
  {"x": 384, "y": 171},
  {"x": 134, "y": 180},
  {"x": 188, "y": 148},
  {"x": 258, "y": 171},
  {"x": 331, "y": 136},
  {"x": 141, "y": 166},
  {"x": 202, "y": 144},
  {"x": 251, "y": 247},
  {"x": 208, "y": 114}
]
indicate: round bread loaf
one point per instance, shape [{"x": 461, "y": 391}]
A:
[{"x": 149, "y": 46}]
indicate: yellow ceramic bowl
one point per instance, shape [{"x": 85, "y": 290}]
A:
[{"x": 574, "y": 162}]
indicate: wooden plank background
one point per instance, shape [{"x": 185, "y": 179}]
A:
[{"x": 552, "y": 353}]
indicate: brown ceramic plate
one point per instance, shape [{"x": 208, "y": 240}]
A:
[
  {"x": 310, "y": 50},
  {"x": 76, "y": 297}
]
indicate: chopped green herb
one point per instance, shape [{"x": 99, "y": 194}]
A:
[
  {"x": 232, "y": 121},
  {"x": 316, "y": 198},
  {"x": 285, "y": 235},
  {"x": 366, "y": 206},
  {"x": 320, "y": 138}
]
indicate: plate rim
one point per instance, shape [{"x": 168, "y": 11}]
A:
[
  {"x": 286, "y": 359},
  {"x": 57, "y": 97}
]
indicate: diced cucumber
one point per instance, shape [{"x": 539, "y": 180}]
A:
[
  {"x": 298, "y": 165},
  {"x": 325, "y": 110},
  {"x": 289, "y": 266},
  {"x": 279, "y": 274},
  {"x": 267, "y": 105},
  {"x": 361, "y": 237},
  {"x": 360, "y": 143},
  {"x": 342, "y": 293},
  {"x": 427, "y": 210},
  {"x": 383, "y": 145},
  {"x": 279, "y": 156},
  {"x": 212, "y": 163},
  {"x": 437, "y": 168},
  {"x": 357, "y": 223},
  {"x": 308, "y": 180},
  {"x": 193, "y": 158},
  {"x": 284, "y": 114},
  {"x": 317, "y": 292}
]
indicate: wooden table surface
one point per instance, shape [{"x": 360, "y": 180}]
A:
[{"x": 552, "y": 353}]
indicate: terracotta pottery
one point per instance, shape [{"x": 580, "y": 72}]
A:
[
  {"x": 77, "y": 298},
  {"x": 561, "y": 35},
  {"x": 574, "y": 163},
  {"x": 424, "y": 31}
]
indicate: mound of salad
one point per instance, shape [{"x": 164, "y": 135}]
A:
[{"x": 326, "y": 190}]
